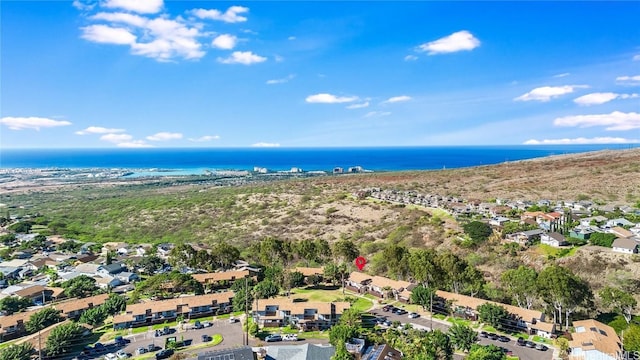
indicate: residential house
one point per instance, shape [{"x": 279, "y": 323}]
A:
[
  {"x": 72, "y": 309},
  {"x": 310, "y": 271},
  {"x": 40, "y": 294},
  {"x": 88, "y": 269},
  {"x": 308, "y": 315},
  {"x": 297, "y": 352},
  {"x": 619, "y": 222},
  {"x": 523, "y": 319},
  {"x": 593, "y": 340},
  {"x": 381, "y": 352},
  {"x": 12, "y": 326},
  {"x": 107, "y": 281},
  {"x": 625, "y": 245},
  {"x": 525, "y": 237},
  {"x": 127, "y": 277},
  {"x": 498, "y": 221},
  {"x": 498, "y": 210},
  {"x": 241, "y": 353},
  {"x": 358, "y": 282},
  {"x": 37, "y": 264},
  {"x": 154, "y": 312},
  {"x": 10, "y": 272},
  {"x": 164, "y": 250},
  {"x": 553, "y": 239},
  {"x": 582, "y": 232},
  {"x": 111, "y": 269},
  {"x": 620, "y": 232},
  {"x": 223, "y": 279},
  {"x": 383, "y": 287},
  {"x": 599, "y": 219}
]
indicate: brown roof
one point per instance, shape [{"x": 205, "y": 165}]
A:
[
  {"x": 624, "y": 243},
  {"x": 30, "y": 291},
  {"x": 595, "y": 335},
  {"x": 308, "y": 271},
  {"x": 463, "y": 300},
  {"x": 382, "y": 282},
  {"x": 544, "y": 326},
  {"x": 220, "y": 276},
  {"x": 359, "y": 277},
  {"x": 12, "y": 320},
  {"x": 204, "y": 300},
  {"x": 285, "y": 304},
  {"x": 81, "y": 304},
  {"x": 622, "y": 232},
  {"x": 172, "y": 304}
]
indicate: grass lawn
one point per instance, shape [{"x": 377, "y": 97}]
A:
[
  {"x": 322, "y": 295},
  {"x": 439, "y": 316},
  {"x": 454, "y": 320},
  {"x": 7, "y": 344},
  {"x": 540, "y": 339},
  {"x": 547, "y": 250}
]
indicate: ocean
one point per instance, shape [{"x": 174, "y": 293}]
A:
[{"x": 186, "y": 161}]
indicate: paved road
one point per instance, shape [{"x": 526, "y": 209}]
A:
[{"x": 523, "y": 353}]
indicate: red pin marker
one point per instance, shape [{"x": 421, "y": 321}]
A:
[{"x": 360, "y": 262}]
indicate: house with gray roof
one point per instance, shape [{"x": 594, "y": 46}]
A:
[
  {"x": 300, "y": 352},
  {"x": 241, "y": 353},
  {"x": 625, "y": 245}
]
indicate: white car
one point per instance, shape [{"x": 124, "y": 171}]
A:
[
  {"x": 290, "y": 337},
  {"x": 413, "y": 315},
  {"x": 110, "y": 356},
  {"x": 121, "y": 354}
]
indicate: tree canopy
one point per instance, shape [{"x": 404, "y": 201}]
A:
[
  {"x": 81, "y": 286},
  {"x": 63, "y": 338},
  {"x": 41, "y": 319}
]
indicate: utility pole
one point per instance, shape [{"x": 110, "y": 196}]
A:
[
  {"x": 431, "y": 309},
  {"x": 39, "y": 345}
]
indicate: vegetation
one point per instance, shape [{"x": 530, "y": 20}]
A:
[
  {"x": 486, "y": 352},
  {"x": 12, "y": 304},
  {"x": 494, "y": 315},
  {"x": 81, "y": 286},
  {"x": 462, "y": 336},
  {"x": 17, "y": 352},
  {"x": 63, "y": 338},
  {"x": 41, "y": 319},
  {"x": 602, "y": 239}
]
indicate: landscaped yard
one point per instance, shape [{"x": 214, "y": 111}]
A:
[{"x": 362, "y": 304}]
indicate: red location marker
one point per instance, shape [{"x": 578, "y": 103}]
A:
[{"x": 360, "y": 262}]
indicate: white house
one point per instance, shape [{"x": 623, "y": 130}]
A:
[
  {"x": 553, "y": 239},
  {"x": 625, "y": 246},
  {"x": 593, "y": 340}
]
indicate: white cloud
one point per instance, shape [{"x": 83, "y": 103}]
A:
[
  {"x": 561, "y": 75},
  {"x": 371, "y": 114},
  {"x": 129, "y": 19},
  {"x": 139, "y": 6},
  {"x": 397, "y": 99},
  {"x": 265, "y": 144},
  {"x": 171, "y": 39},
  {"x": 329, "y": 99},
  {"x": 224, "y": 41},
  {"x": 410, "y": 58},
  {"x": 280, "y": 81},
  {"x": 628, "y": 80},
  {"x": 229, "y": 16},
  {"x": 458, "y": 41},
  {"x": 291, "y": 38},
  {"x": 116, "y": 138},
  {"x": 582, "y": 141},
  {"x": 358, "y": 106},
  {"x": 242, "y": 57},
  {"x": 35, "y": 123},
  {"x": 84, "y": 5},
  {"x": 547, "y": 93},
  {"x": 205, "y": 138},
  {"x": 98, "y": 130},
  {"x": 134, "y": 144},
  {"x": 164, "y": 136},
  {"x": 636, "y": 57},
  {"x": 601, "y": 98},
  {"x": 616, "y": 121},
  {"x": 108, "y": 35}
]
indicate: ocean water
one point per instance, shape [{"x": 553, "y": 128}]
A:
[{"x": 184, "y": 161}]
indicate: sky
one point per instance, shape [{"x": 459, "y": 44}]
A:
[{"x": 154, "y": 73}]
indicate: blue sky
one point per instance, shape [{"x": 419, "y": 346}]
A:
[{"x": 148, "y": 73}]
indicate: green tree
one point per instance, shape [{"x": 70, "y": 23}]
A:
[
  {"x": 12, "y": 304},
  {"x": 63, "y": 338},
  {"x": 93, "y": 316},
  {"x": 620, "y": 301},
  {"x": 17, "y": 352},
  {"x": 266, "y": 289},
  {"x": 602, "y": 239},
  {"x": 151, "y": 263},
  {"x": 21, "y": 227},
  {"x": 423, "y": 265},
  {"x": 115, "y": 304},
  {"x": 339, "y": 334},
  {"x": 486, "y": 352},
  {"x": 80, "y": 286},
  {"x": 632, "y": 338},
  {"x": 520, "y": 284},
  {"x": 494, "y": 315},
  {"x": 41, "y": 319},
  {"x": 422, "y": 296},
  {"x": 462, "y": 336},
  {"x": 478, "y": 231},
  {"x": 345, "y": 250},
  {"x": 239, "y": 302},
  {"x": 296, "y": 279},
  {"x": 438, "y": 346},
  {"x": 7, "y": 239},
  {"x": 396, "y": 261},
  {"x": 564, "y": 291},
  {"x": 224, "y": 254},
  {"x": 70, "y": 246}
]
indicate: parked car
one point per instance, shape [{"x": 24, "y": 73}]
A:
[
  {"x": 506, "y": 351},
  {"x": 504, "y": 339},
  {"x": 290, "y": 337},
  {"x": 387, "y": 308},
  {"x": 206, "y": 338},
  {"x": 207, "y": 324},
  {"x": 520, "y": 341},
  {"x": 529, "y": 344},
  {"x": 400, "y": 311},
  {"x": 98, "y": 347},
  {"x": 541, "y": 347},
  {"x": 141, "y": 350},
  {"x": 233, "y": 320},
  {"x": 198, "y": 325},
  {"x": 110, "y": 356},
  {"x": 120, "y": 341},
  {"x": 164, "y": 354},
  {"x": 414, "y": 315},
  {"x": 484, "y": 334},
  {"x": 387, "y": 323},
  {"x": 273, "y": 337},
  {"x": 493, "y": 336},
  {"x": 121, "y": 354},
  {"x": 151, "y": 347}
]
